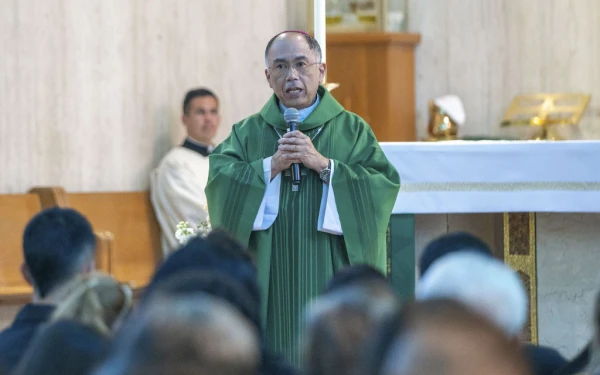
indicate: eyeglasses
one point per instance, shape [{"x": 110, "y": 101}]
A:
[{"x": 283, "y": 68}]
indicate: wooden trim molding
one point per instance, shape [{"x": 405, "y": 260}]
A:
[
  {"x": 51, "y": 196},
  {"x": 358, "y": 38},
  {"x": 520, "y": 254}
]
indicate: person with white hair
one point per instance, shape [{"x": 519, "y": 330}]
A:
[
  {"x": 483, "y": 284},
  {"x": 479, "y": 270}
]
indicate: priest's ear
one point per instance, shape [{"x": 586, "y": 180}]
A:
[
  {"x": 322, "y": 70},
  {"x": 268, "y": 76}
]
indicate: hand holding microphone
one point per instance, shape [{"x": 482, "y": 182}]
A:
[
  {"x": 296, "y": 147},
  {"x": 291, "y": 116}
]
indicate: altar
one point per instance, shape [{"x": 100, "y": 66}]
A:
[{"x": 534, "y": 202}]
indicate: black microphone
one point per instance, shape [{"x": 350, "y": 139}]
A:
[{"x": 291, "y": 116}]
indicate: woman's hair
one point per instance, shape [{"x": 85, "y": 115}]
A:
[{"x": 96, "y": 300}]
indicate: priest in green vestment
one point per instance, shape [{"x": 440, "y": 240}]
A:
[{"x": 341, "y": 210}]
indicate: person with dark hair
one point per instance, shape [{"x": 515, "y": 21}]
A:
[
  {"x": 177, "y": 184},
  {"x": 58, "y": 245},
  {"x": 304, "y": 230},
  {"x": 220, "y": 266},
  {"x": 64, "y": 348},
  {"x": 340, "y": 323},
  {"x": 359, "y": 274},
  {"x": 218, "y": 252},
  {"x": 451, "y": 243}
]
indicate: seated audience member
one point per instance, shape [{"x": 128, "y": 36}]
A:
[
  {"x": 448, "y": 244},
  {"x": 96, "y": 300},
  {"x": 197, "y": 335},
  {"x": 481, "y": 283},
  {"x": 205, "y": 282},
  {"x": 442, "y": 337},
  {"x": 359, "y": 274},
  {"x": 588, "y": 359},
  {"x": 58, "y": 245},
  {"x": 177, "y": 184},
  {"x": 219, "y": 252},
  {"x": 64, "y": 348},
  {"x": 491, "y": 288},
  {"x": 339, "y": 324},
  {"x": 221, "y": 267}
]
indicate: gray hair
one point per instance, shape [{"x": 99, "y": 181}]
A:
[
  {"x": 186, "y": 335},
  {"x": 483, "y": 284}
]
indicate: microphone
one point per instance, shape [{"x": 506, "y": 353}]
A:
[{"x": 291, "y": 116}]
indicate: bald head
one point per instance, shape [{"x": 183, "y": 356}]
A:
[
  {"x": 312, "y": 43},
  {"x": 198, "y": 335},
  {"x": 445, "y": 338},
  {"x": 294, "y": 68}
]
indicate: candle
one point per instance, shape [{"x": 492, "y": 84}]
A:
[{"x": 319, "y": 25}]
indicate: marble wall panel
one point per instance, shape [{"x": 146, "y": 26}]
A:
[{"x": 91, "y": 91}]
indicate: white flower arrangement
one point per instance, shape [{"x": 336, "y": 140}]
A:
[{"x": 185, "y": 231}]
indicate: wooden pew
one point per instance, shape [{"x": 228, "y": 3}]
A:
[
  {"x": 16, "y": 210},
  {"x": 127, "y": 225}
]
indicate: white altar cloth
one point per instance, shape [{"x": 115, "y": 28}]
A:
[{"x": 496, "y": 176}]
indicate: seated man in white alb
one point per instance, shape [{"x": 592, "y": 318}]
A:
[{"x": 177, "y": 185}]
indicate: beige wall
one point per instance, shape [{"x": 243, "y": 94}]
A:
[
  {"x": 90, "y": 91},
  {"x": 487, "y": 51}
]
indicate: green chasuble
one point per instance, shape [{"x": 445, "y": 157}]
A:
[{"x": 294, "y": 260}]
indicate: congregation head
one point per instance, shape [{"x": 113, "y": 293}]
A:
[
  {"x": 482, "y": 283},
  {"x": 340, "y": 323},
  {"x": 58, "y": 244},
  {"x": 95, "y": 300},
  {"x": 182, "y": 335},
  {"x": 444, "y": 337},
  {"x": 448, "y": 244},
  {"x": 359, "y": 274},
  {"x": 294, "y": 68},
  {"x": 213, "y": 283},
  {"x": 218, "y": 252}
]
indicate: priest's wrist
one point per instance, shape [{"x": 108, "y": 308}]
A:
[
  {"x": 274, "y": 172},
  {"x": 323, "y": 163}
]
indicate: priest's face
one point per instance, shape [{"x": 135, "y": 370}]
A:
[
  {"x": 202, "y": 119},
  {"x": 294, "y": 71}
]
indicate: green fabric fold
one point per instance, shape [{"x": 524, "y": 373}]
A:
[{"x": 294, "y": 260}]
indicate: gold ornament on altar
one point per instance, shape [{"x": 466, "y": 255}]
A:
[
  {"x": 546, "y": 110},
  {"x": 446, "y": 115}
]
